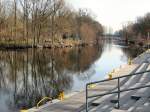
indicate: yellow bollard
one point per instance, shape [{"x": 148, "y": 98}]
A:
[
  {"x": 23, "y": 110},
  {"x": 129, "y": 61},
  {"x": 61, "y": 96},
  {"x": 110, "y": 76},
  {"x": 92, "y": 86}
]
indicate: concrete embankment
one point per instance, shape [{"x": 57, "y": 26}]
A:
[{"x": 76, "y": 101}]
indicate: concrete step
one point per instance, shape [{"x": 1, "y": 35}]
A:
[
  {"x": 143, "y": 109},
  {"x": 142, "y": 58},
  {"x": 107, "y": 99},
  {"x": 118, "y": 110},
  {"x": 113, "y": 82},
  {"x": 102, "y": 87},
  {"x": 124, "y": 80},
  {"x": 126, "y": 95},
  {"x": 134, "y": 79},
  {"x": 104, "y": 107},
  {"x": 103, "y": 104},
  {"x": 128, "y": 104},
  {"x": 144, "y": 92},
  {"x": 143, "y": 67},
  {"x": 146, "y": 76},
  {"x": 141, "y": 101},
  {"x": 147, "y": 103}
]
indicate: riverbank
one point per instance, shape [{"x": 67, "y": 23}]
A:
[
  {"x": 76, "y": 101},
  {"x": 143, "y": 43},
  {"x": 64, "y": 44}
]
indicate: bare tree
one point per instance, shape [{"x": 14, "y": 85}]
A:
[
  {"x": 15, "y": 17},
  {"x": 35, "y": 21}
]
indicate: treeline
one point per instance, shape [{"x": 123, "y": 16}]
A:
[
  {"x": 45, "y": 22},
  {"x": 138, "y": 30}
]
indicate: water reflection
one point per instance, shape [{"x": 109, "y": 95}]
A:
[{"x": 27, "y": 76}]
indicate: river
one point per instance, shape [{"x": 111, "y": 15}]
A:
[{"x": 28, "y": 75}]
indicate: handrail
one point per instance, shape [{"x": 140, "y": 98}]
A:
[
  {"x": 113, "y": 92},
  {"x": 139, "y": 73},
  {"x": 117, "y": 91},
  {"x": 45, "y": 98}
]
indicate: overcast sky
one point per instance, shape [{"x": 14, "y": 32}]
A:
[{"x": 114, "y": 13}]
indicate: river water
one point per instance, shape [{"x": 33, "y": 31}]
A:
[{"x": 28, "y": 75}]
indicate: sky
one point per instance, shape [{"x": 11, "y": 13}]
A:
[{"x": 114, "y": 13}]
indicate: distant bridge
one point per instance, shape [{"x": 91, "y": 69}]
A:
[
  {"x": 112, "y": 35},
  {"x": 113, "y": 38}
]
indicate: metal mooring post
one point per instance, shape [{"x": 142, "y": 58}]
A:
[
  {"x": 148, "y": 40},
  {"x": 86, "y": 97},
  {"x": 118, "y": 93}
]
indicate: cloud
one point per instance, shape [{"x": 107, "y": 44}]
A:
[{"x": 114, "y": 12}]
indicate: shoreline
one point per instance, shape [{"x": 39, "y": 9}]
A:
[{"x": 15, "y": 46}]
